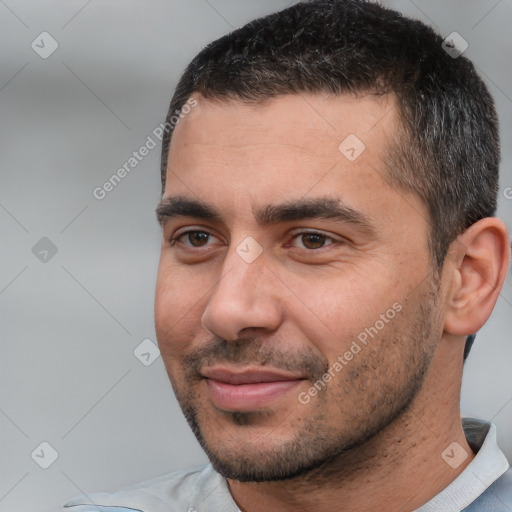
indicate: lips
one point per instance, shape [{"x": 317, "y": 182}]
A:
[{"x": 231, "y": 389}]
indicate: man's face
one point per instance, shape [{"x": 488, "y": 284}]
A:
[{"x": 295, "y": 304}]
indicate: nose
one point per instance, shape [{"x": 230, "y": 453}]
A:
[{"x": 244, "y": 298}]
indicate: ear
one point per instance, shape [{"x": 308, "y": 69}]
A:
[{"x": 476, "y": 268}]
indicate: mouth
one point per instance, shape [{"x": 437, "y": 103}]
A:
[{"x": 232, "y": 389}]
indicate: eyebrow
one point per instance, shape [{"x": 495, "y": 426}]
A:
[
  {"x": 180, "y": 206},
  {"x": 301, "y": 209}
]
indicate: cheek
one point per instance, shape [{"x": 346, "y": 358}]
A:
[
  {"x": 177, "y": 311},
  {"x": 339, "y": 304}
]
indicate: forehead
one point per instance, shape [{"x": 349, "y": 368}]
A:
[
  {"x": 285, "y": 145},
  {"x": 315, "y": 122}
]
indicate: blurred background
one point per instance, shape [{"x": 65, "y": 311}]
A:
[{"x": 85, "y": 403}]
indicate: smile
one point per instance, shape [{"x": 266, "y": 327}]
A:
[{"x": 248, "y": 390}]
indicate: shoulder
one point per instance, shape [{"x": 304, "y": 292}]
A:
[
  {"x": 96, "y": 508},
  {"x": 180, "y": 489},
  {"x": 496, "y": 498}
]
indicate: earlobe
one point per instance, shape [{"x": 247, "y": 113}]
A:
[{"x": 480, "y": 259}]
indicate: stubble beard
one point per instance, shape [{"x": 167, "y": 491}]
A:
[{"x": 318, "y": 447}]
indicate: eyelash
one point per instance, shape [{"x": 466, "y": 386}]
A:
[
  {"x": 175, "y": 239},
  {"x": 318, "y": 233}
]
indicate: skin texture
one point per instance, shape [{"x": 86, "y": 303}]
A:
[{"x": 373, "y": 436}]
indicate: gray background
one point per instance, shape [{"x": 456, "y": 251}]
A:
[{"x": 68, "y": 374}]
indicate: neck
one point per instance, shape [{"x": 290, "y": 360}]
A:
[{"x": 400, "y": 468}]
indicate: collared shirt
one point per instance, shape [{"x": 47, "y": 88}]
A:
[
  {"x": 485, "y": 485},
  {"x": 473, "y": 489}
]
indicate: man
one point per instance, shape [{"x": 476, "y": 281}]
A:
[{"x": 329, "y": 247}]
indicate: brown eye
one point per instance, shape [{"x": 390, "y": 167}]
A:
[
  {"x": 312, "y": 240},
  {"x": 195, "y": 238}
]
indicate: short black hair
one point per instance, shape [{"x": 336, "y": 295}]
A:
[{"x": 447, "y": 148}]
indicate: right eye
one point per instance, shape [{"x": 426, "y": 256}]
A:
[{"x": 192, "y": 238}]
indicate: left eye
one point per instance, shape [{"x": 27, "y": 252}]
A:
[{"x": 312, "y": 240}]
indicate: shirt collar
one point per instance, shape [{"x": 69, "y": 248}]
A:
[{"x": 487, "y": 466}]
